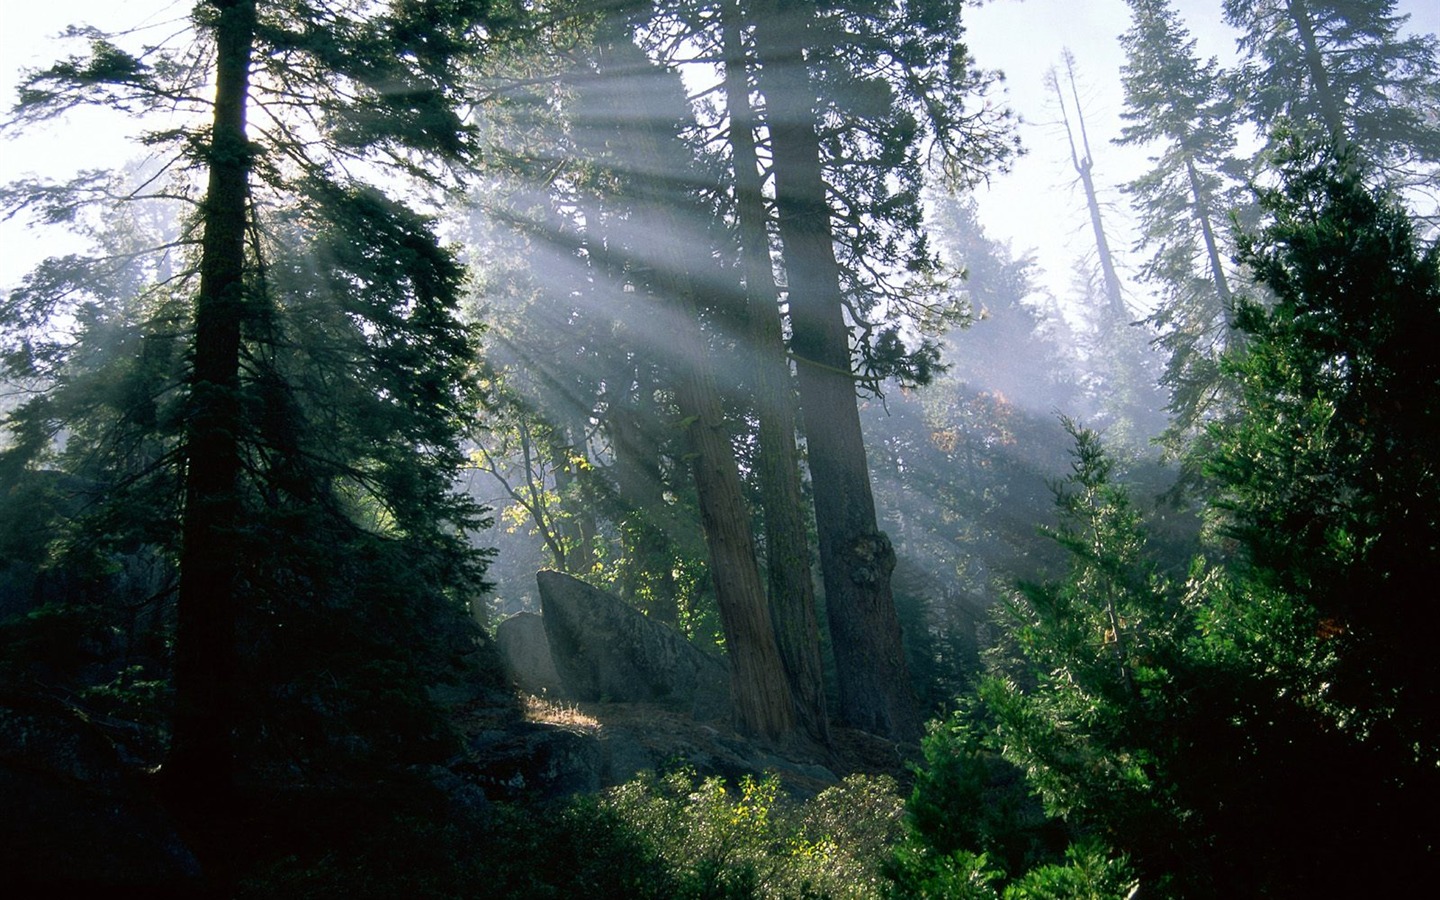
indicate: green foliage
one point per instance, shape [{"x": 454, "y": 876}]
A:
[
  {"x": 905, "y": 71},
  {"x": 1343, "y": 73},
  {"x": 1183, "y": 109},
  {"x": 1089, "y": 872},
  {"x": 669, "y": 837},
  {"x": 920, "y": 872},
  {"x": 1227, "y": 729},
  {"x": 967, "y": 797},
  {"x": 1328, "y": 478},
  {"x": 354, "y": 389},
  {"x": 749, "y": 843}
]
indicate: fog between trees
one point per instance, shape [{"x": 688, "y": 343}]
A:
[{"x": 691, "y": 299}]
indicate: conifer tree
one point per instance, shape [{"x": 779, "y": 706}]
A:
[
  {"x": 787, "y": 545},
  {"x": 318, "y": 306},
  {"x": 1181, "y": 109},
  {"x": 1186, "y": 717},
  {"x": 1344, "y": 72},
  {"x": 898, "y": 70},
  {"x": 1339, "y": 376}
]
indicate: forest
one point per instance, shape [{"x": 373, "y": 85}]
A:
[{"x": 689, "y": 306}]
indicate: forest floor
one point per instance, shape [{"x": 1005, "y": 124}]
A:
[{"x": 563, "y": 747}]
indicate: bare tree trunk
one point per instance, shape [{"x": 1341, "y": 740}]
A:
[
  {"x": 792, "y": 590},
  {"x": 759, "y": 688},
  {"x": 856, "y": 559},
  {"x": 1084, "y": 163}
]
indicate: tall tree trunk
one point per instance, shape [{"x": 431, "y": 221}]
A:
[
  {"x": 201, "y": 751},
  {"x": 1203, "y": 216},
  {"x": 1331, "y": 112},
  {"x": 856, "y": 558},
  {"x": 759, "y": 688},
  {"x": 763, "y": 704},
  {"x": 1084, "y": 164},
  {"x": 792, "y": 589}
]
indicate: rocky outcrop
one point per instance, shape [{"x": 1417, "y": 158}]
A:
[
  {"x": 525, "y": 654},
  {"x": 74, "y": 817},
  {"x": 564, "y": 749},
  {"x": 605, "y": 651},
  {"x": 532, "y": 761}
]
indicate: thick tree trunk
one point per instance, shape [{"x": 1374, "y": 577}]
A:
[
  {"x": 759, "y": 688},
  {"x": 201, "y": 752},
  {"x": 856, "y": 559},
  {"x": 763, "y": 704},
  {"x": 792, "y": 590}
]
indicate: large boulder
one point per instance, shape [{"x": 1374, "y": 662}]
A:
[
  {"x": 525, "y": 653},
  {"x": 604, "y": 650}
]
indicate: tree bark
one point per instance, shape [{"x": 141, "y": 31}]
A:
[
  {"x": 201, "y": 751},
  {"x": 1331, "y": 112},
  {"x": 792, "y": 589},
  {"x": 759, "y": 688},
  {"x": 1203, "y": 216},
  {"x": 1084, "y": 164},
  {"x": 856, "y": 559}
]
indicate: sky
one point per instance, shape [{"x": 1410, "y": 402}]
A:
[{"x": 1037, "y": 206}]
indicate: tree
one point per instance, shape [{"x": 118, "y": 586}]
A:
[
  {"x": 1084, "y": 162},
  {"x": 760, "y": 686},
  {"x": 640, "y": 181},
  {"x": 875, "y": 172},
  {"x": 787, "y": 543},
  {"x": 960, "y": 465},
  {"x": 1342, "y": 71},
  {"x": 283, "y": 232},
  {"x": 1120, "y": 357},
  {"x": 1182, "y": 108},
  {"x": 898, "y": 70},
  {"x": 1186, "y": 717},
  {"x": 856, "y": 559},
  {"x": 1325, "y": 479}
]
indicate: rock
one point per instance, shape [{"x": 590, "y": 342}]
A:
[
  {"x": 75, "y": 817},
  {"x": 533, "y": 762},
  {"x": 525, "y": 654},
  {"x": 605, "y": 651},
  {"x": 466, "y": 799}
]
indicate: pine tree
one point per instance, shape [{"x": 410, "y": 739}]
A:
[
  {"x": 900, "y": 71},
  {"x": 787, "y": 543},
  {"x": 1186, "y": 717},
  {"x": 316, "y": 420},
  {"x": 1181, "y": 108},
  {"x": 1344, "y": 72},
  {"x": 1327, "y": 479}
]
